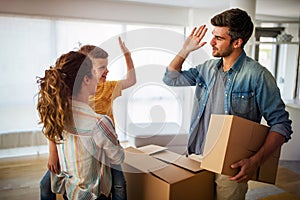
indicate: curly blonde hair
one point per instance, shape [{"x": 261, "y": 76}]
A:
[{"x": 56, "y": 89}]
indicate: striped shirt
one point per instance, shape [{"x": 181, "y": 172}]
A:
[{"x": 85, "y": 155}]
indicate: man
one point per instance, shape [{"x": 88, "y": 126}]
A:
[{"x": 234, "y": 84}]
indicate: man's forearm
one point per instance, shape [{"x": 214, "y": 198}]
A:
[
  {"x": 273, "y": 141},
  {"x": 177, "y": 62}
]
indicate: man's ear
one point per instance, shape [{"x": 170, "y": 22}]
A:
[
  {"x": 237, "y": 43},
  {"x": 86, "y": 80}
]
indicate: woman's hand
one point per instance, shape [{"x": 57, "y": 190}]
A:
[{"x": 53, "y": 160}]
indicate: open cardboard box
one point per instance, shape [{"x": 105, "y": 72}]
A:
[
  {"x": 230, "y": 139},
  {"x": 153, "y": 172}
]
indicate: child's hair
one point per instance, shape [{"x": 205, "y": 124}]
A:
[
  {"x": 56, "y": 89},
  {"x": 93, "y": 51}
]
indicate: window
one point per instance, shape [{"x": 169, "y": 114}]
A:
[
  {"x": 26, "y": 54},
  {"x": 267, "y": 54},
  {"x": 150, "y": 100},
  {"x": 281, "y": 59}
]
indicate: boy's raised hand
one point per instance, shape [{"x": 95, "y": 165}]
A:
[{"x": 123, "y": 47}]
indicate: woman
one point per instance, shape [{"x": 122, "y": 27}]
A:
[{"x": 87, "y": 143}]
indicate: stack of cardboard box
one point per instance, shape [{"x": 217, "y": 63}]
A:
[{"x": 153, "y": 172}]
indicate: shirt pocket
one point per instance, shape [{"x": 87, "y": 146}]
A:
[
  {"x": 242, "y": 102},
  {"x": 200, "y": 88}
]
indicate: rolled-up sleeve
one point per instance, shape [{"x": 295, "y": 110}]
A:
[
  {"x": 272, "y": 106},
  {"x": 182, "y": 78},
  {"x": 108, "y": 140}
]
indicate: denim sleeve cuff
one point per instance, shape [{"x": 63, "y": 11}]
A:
[
  {"x": 283, "y": 130},
  {"x": 171, "y": 74}
]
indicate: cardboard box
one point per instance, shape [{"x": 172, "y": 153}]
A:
[
  {"x": 230, "y": 139},
  {"x": 152, "y": 172}
]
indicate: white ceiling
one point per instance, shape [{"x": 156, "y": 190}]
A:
[{"x": 273, "y": 8}]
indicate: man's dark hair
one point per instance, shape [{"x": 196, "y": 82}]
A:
[{"x": 238, "y": 22}]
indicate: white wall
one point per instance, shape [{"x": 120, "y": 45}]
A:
[
  {"x": 291, "y": 149},
  {"x": 288, "y": 56},
  {"x": 97, "y": 10}
]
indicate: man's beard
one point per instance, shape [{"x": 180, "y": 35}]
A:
[{"x": 223, "y": 53}]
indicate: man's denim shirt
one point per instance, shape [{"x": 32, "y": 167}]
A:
[{"x": 250, "y": 92}]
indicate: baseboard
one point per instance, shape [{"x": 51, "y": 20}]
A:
[{"x": 19, "y": 139}]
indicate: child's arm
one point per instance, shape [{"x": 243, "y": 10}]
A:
[
  {"x": 53, "y": 161},
  {"x": 131, "y": 77}
]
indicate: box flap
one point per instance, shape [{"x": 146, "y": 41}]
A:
[
  {"x": 133, "y": 150},
  {"x": 179, "y": 160},
  {"x": 189, "y": 164},
  {"x": 141, "y": 161},
  {"x": 172, "y": 174},
  {"x": 151, "y": 149}
]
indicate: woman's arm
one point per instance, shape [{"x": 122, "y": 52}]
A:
[{"x": 53, "y": 160}]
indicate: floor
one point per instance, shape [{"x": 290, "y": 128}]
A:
[
  {"x": 20, "y": 176},
  {"x": 287, "y": 186}
]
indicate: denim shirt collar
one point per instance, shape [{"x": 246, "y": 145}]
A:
[{"x": 237, "y": 64}]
